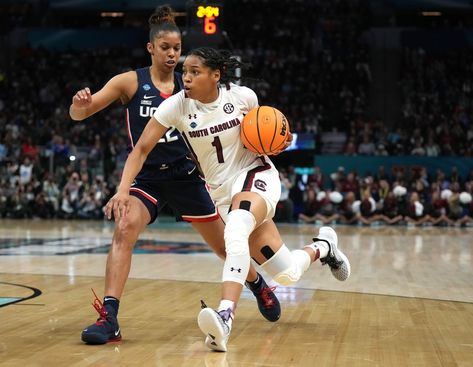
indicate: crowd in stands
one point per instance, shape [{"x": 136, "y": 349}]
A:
[
  {"x": 51, "y": 166},
  {"x": 437, "y": 110},
  {"x": 437, "y": 91},
  {"x": 404, "y": 196},
  {"x": 308, "y": 58}
]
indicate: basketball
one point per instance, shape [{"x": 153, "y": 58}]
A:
[{"x": 264, "y": 130}]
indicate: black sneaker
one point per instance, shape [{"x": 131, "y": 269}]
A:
[
  {"x": 105, "y": 329},
  {"x": 268, "y": 303}
]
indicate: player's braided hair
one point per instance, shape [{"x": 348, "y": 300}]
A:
[
  {"x": 162, "y": 20},
  {"x": 220, "y": 60}
]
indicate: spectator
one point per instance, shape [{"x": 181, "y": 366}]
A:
[
  {"x": 310, "y": 206},
  {"x": 367, "y": 146},
  {"x": 29, "y": 149},
  {"x": 285, "y": 206},
  {"x": 415, "y": 211},
  {"x": 26, "y": 171},
  {"x": 348, "y": 214},
  {"x": 51, "y": 191}
]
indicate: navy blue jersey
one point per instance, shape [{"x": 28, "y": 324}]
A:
[{"x": 171, "y": 147}]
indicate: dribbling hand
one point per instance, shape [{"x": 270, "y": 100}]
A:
[
  {"x": 118, "y": 205},
  {"x": 82, "y": 98},
  {"x": 286, "y": 145}
]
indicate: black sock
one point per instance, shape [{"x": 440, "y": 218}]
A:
[{"x": 112, "y": 302}]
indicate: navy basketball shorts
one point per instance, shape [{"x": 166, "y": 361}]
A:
[{"x": 179, "y": 186}]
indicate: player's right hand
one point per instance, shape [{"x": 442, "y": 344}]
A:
[
  {"x": 82, "y": 98},
  {"x": 286, "y": 145},
  {"x": 118, "y": 205}
]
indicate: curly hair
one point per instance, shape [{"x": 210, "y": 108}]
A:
[{"x": 220, "y": 60}]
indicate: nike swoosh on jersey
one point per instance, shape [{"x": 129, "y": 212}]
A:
[
  {"x": 148, "y": 97},
  {"x": 192, "y": 170}
]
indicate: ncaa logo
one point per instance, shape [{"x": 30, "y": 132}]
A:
[
  {"x": 260, "y": 185},
  {"x": 228, "y": 108},
  {"x": 146, "y": 87}
]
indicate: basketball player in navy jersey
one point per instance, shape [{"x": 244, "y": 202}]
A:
[
  {"x": 168, "y": 174},
  {"x": 245, "y": 186}
]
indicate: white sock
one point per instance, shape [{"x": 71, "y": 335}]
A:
[
  {"x": 224, "y": 305},
  {"x": 322, "y": 246}
]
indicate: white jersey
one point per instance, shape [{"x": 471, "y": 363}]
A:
[{"x": 212, "y": 130}]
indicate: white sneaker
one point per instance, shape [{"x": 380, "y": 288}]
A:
[
  {"x": 336, "y": 259},
  {"x": 214, "y": 326}
]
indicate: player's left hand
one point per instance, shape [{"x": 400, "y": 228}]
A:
[
  {"x": 286, "y": 145},
  {"x": 118, "y": 205}
]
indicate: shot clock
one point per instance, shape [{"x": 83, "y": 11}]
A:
[
  {"x": 210, "y": 14},
  {"x": 205, "y": 24}
]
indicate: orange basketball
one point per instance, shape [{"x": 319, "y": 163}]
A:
[{"x": 264, "y": 130}]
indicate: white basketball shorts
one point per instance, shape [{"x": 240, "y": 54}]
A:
[{"x": 261, "y": 178}]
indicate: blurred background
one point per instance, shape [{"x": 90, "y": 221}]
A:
[{"x": 378, "y": 95}]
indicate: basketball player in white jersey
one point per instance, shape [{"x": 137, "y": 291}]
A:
[{"x": 245, "y": 186}]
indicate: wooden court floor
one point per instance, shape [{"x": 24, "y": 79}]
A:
[{"x": 409, "y": 301}]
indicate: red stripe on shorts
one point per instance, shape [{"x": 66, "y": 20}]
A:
[{"x": 145, "y": 194}]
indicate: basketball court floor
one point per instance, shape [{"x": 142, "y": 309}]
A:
[{"x": 409, "y": 301}]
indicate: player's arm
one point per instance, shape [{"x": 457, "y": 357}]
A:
[
  {"x": 85, "y": 104},
  {"x": 119, "y": 203}
]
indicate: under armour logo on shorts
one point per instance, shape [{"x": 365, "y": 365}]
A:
[{"x": 234, "y": 269}]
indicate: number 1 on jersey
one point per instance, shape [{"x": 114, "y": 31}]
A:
[{"x": 218, "y": 146}]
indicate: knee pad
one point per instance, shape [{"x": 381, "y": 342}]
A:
[
  {"x": 238, "y": 228},
  {"x": 287, "y": 267}
]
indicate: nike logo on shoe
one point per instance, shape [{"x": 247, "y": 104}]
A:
[
  {"x": 148, "y": 97},
  {"x": 117, "y": 332}
]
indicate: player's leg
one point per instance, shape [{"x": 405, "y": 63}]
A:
[
  {"x": 213, "y": 234},
  {"x": 125, "y": 235},
  {"x": 248, "y": 211},
  {"x": 285, "y": 266},
  {"x": 268, "y": 304},
  {"x": 244, "y": 203},
  {"x": 191, "y": 201}
]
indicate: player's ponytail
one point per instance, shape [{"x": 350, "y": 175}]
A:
[
  {"x": 220, "y": 60},
  {"x": 162, "y": 20}
]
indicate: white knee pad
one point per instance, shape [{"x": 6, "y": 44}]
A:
[
  {"x": 287, "y": 267},
  {"x": 238, "y": 228}
]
